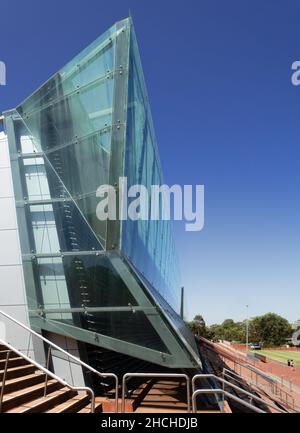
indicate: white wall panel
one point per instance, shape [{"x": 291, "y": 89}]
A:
[
  {"x": 12, "y": 290},
  {"x": 12, "y": 333},
  {"x": 8, "y": 218},
  {"x": 6, "y": 189},
  {"x": 4, "y": 155},
  {"x": 9, "y": 248}
]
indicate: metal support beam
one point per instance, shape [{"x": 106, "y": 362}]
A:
[{"x": 182, "y": 303}]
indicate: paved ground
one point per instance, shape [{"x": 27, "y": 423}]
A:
[{"x": 282, "y": 371}]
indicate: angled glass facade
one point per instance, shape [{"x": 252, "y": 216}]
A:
[{"x": 112, "y": 284}]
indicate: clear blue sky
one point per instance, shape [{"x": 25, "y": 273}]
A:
[{"x": 226, "y": 116}]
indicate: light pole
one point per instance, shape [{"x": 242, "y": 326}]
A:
[{"x": 247, "y": 329}]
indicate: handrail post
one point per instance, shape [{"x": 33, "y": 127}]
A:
[
  {"x": 188, "y": 394},
  {"x": 28, "y": 347},
  {"x": 4, "y": 379},
  {"x": 47, "y": 367},
  {"x": 223, "y": 396},
  {"x": 69, "y": 355},
  {"x": 117, "y": 393},
  {"x": 92, "y": 401},
  {"x": 123, "y": 393}
]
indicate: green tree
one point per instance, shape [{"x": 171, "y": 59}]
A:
[
  {"x": 270, "y": 329},
  {"x": 216, "y": 331},
  {"x": 198, "y": 326}
]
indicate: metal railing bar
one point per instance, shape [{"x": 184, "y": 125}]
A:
[
  {"x": 4, "y": 379},
  {"x": 47, "y": 367},
  {"x": 225, "y": 382},
  {"x": 53, "y": 375},
  {"x": 53, "y": 345},
  {"x": 225, "y": 393},
  {"x": 92, "y": 309},
  {"x": 28, "y": 347},
  {"x": 277, "y": 391}
]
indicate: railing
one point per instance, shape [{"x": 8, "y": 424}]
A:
[
  {"x": 237, "y": 388},
  {"x": 284, "y": 397},
  {"x": 156, "y": 375},
  {"x": 69, "y": 355},
  {"x": 270, "y": 384},
  {"x": 46, "y": 371},
  {"x": 224, "y": 393}
]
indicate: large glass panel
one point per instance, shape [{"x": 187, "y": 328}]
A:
[
  {"x": 54, "y": 292},
  {"x": 91, "y": 64},
  {"x": 59, "y": 227},
  {"x": 148, "y": 244},
  {"x": 91, "y": 153},
  {"x": 123, "y": 325},
  {"x": 94, "y": 282},
  {"x": 72, "y": 173},
  {"x": 72, "y": 116},
  {"x": 79, "y": 281},
  {"x": 66, "y": 140}
]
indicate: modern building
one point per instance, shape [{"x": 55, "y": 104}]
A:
[{"x": 107, "y": 290}]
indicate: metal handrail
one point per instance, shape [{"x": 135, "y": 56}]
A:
[
  {"x": 69, "y": 355},
  {"x": 49, "y": 373},
  {"x": 4, "y": 379},
  {"x": 225, "y": 382},
  {"x": 239, "y": 378},
  {"x": 225, "y": 393},
  {"x": 243, "y": 364},
  {"x": 157, "y": 375},
  {"x": 274, "y": 382}
]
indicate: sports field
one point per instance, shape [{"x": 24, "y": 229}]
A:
[{"x": 281, "y": 355}]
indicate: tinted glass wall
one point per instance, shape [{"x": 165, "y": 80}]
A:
[
  {"x": 105, "y": 283},
  {"x": 148, "y": 244}
]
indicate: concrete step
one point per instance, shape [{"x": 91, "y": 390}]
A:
[
  {"x": 51, "y": 401},
  {"x": 87, "y": 408},
  {"x": 108, "y": 404},
  {"x": 15, "y": 372},
  {"x": 166, "y": 396},
  {"x": 72, "y": 405},
  {"x": 43, "y": 404},
  {"x": 15, "y": 361},
  {"x": 21, "y": 397},
  {"x": 22, "y": 382}
]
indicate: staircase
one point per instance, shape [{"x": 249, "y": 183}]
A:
[{"x": 24, "y": 389}]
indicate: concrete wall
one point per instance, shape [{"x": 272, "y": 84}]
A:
[{"x": 63, "y": 366}]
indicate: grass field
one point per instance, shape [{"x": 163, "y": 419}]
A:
[{"x": 281, "y": 355}]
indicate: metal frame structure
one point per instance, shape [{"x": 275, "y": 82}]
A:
[{"x": 100, "y": 93}]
